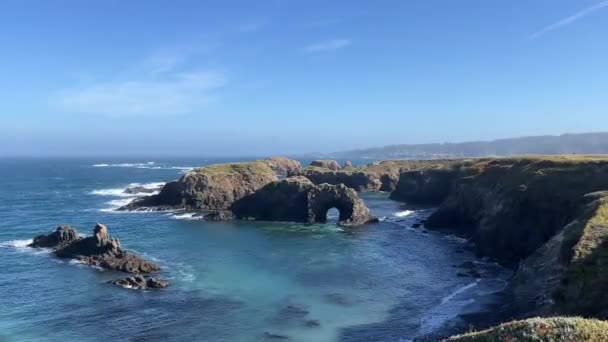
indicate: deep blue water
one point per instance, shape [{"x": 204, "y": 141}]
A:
[{"x": 230, "y": 281}]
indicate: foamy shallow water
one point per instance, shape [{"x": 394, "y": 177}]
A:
[{"x": 231, "y": 281}]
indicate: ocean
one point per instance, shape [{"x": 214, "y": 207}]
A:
[{"x": 230, "y": 281}]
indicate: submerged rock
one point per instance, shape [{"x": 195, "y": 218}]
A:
[
  {"x": 275, "y": 337},
  {"x": 140, "y": 282},
  {"x": 297, "y": 199},
  {"x": 98, "y": 250}
]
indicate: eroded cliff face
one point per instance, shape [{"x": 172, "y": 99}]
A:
[
  {"x": 513, "y": 206},
  {"x": 543, "y": 215}
]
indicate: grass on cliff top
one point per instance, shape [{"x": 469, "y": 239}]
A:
[
  {"x": 257, "y": 166},
  {"x": 574, "y": 329}
]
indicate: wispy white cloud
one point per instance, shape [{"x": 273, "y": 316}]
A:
[
  {"x": 160, "y": 85},
  {"x": 570, "y": 19},
  {"x": 333, "y": 44}
]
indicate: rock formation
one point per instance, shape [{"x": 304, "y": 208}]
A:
[
  {"x": 98, "y": 250},
  {"x": 347, "y": 164},
  {"x": 61, "y": 237},
  {"x": 213, "y": 187},
  {"x": 140, "y": 282},
  {"x": 326, "y": 164},
  {"x": 548, "y": 215},
  {"x": 297, "y": 199}
]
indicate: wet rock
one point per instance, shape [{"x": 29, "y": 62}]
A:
[
  {"x": 98, "y": 250},
  {"x": 140, "y": 282},
  {"x": 62, "y": 236}
]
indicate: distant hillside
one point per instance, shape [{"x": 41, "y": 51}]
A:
[{"x": 584, "y": 143}]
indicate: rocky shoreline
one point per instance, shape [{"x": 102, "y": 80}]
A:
[{"x": 545, "y": 217}]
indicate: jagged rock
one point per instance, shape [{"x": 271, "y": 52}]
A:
[
  {"x": 214, "y": 187},
  {"x": 347, "y": 163},
  {"x": 140, "y": 282},
  {"x": 62, "y": 236},
  {"x": 297, "y": 199},
  {"x": 98, "y": 250},
  {"x": 284, "y": 166},
  {"x": 327, "y": 164}
]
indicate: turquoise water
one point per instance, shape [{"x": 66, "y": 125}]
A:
[{"x": 231, "y": 281}]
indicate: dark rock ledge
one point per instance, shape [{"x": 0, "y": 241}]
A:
[{"x": 100, "y": 250}]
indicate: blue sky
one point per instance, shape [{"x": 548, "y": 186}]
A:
[{"x": 265, "y": 77}]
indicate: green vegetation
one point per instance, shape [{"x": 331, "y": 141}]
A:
[
  {"x": 571, "y": 329},
  {"x": 256, "y": 167}
]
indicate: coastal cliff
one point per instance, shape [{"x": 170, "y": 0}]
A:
[
  {"x": 545, "y": 216},
  {"x": 213, "y": 187}
]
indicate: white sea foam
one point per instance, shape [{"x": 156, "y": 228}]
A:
[
  {"x": 185, "y": 216},
  {"x": 125, "y": 164},
  {"x": 458, "y": 291},
  {"x": 16, "y": 243},
  {"x": 146, "y": 165},
  {"x": 403, "y": 213},
  {"x": 446, "y": 310}
]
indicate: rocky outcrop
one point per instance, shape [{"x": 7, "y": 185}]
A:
[
  {"x": 283, "y": 166},
  {"x": 297, "y": 199},
  {"x": 61, "y": 237},
  {"x": 99, "y": 250},
  {"x": 326, "y": 164},
  {"x": 140, "y": 282},
  {"x": 214, "y": 187},
  {"x": 347, "y": 164}
]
